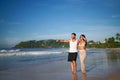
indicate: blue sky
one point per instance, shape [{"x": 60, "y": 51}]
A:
[{"x": 22, "y": 20}]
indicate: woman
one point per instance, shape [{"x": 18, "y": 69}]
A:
[{"x": 82, "y": 49}]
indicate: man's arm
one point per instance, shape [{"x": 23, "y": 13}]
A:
[{"x": 63, "y": 41}]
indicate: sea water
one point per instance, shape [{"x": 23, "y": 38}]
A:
[
  {"x": 97, "y": 59},
  {"x": 12, "y": 58}
]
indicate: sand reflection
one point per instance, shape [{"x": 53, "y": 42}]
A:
[
  {"x": 84, "y": 76},
  {"x": 74, "y": 76}
]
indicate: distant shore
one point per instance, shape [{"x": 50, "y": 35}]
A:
[
  {"x": 113, "y": 48},
  {"x": 106, "y": 48}
]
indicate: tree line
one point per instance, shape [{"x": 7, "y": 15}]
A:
[
  {"x": 41, "y": 44},
  {"x": 112, "y": 42}
]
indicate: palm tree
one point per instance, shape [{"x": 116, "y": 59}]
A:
[{"x": 118, "y": 36}]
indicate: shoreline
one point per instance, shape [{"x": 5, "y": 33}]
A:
[
  {"x": 106, "y": 48},
  {"x": 113, "y": 48}
]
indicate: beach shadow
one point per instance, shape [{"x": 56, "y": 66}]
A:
[
  {"x": 74, "y": 76},
  {"x": 88, "y": 69}
]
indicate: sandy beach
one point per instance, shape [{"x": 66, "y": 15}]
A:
[
  {"x": 100, "y": 65},
  {"x": 113, "y": 48},
  {"x": 58, "y": 70}
]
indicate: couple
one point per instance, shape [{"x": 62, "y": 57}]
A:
[{"x": 76, "y": 45}]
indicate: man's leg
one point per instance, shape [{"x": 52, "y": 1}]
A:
[
  {"x": 74, "y": 76},
  {"x": 72, "y": 66}
]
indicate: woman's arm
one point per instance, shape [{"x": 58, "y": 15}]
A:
[{"x": 63, "y": 41}]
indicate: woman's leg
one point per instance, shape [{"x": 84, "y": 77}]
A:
[
  {"x": 82, "y": 60},
  {"x": 84, "y": 76}
]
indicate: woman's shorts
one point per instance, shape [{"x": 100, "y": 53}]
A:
[{"x": 72, "y": 56}]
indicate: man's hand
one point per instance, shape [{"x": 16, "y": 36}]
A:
[
  {"x": 57, "y": 40},
  {"x": 62, "y": 40}
]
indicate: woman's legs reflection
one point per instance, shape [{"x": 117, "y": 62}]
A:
[
  {"x": 84, "y": 76},
  {"x": 74, "y": 76}
]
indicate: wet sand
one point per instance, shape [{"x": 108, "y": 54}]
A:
[
  {"x": 52, "y": 71},
  {"x": 59, "y": 70},
  {"x": 114, "y": 76},
  {"x": 107, "y": 69}
]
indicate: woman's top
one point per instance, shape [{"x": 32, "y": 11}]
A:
[
  {"x": 73, "y": 46},
  {"x": 81, "y": 44}
]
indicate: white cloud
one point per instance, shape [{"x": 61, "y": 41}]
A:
[
  {"x": 54, "y": 36},
  {"x": 115, "y": 16}
]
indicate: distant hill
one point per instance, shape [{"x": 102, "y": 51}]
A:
[
  {"x": 111, "y": 42},
  {"x": 41, "y": 44}
]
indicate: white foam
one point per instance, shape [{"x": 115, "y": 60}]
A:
[
  {"x": 22, "y": 53},
  {"x": 4, "y": 51}
]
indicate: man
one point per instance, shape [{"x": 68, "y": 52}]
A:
[{"x": 73, "y": 51}]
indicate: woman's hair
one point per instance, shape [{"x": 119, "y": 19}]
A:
[
  {"x": 85, "y": 39},
  {"x": 74, "y": 34}
]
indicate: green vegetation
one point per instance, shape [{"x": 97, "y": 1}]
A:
[
  {"x": 41, "y": 44},
  {"x": 112, "y": 42}
]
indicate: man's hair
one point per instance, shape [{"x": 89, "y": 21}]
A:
[{"x": 74, "y": 34}]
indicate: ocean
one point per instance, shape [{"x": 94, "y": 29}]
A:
[
  {"x": 12, "y": 58},
  {"x": 96, "y": 58}
]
